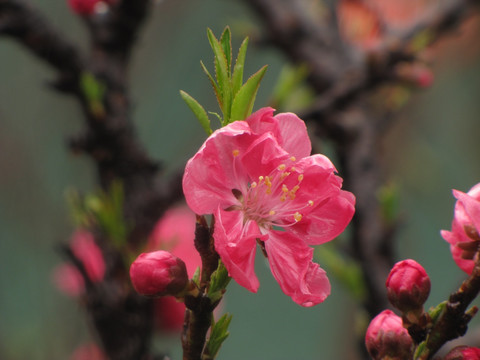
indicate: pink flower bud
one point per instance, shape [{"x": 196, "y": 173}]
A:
[
  {"x": 158, "y": 273},
  {"x": 386, "y": 337},
  {"x": 408, "y": 285},
  {"x": 463, "y": 353}
]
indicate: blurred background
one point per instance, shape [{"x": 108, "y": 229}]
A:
[{"x": 432, "y": 147}]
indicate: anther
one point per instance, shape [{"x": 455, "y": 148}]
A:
[
  {"x": 282, "y": 167},
  {"x": 297, "y": 216},
  {"x": 300, "y": 177},
  {"x": 293, "y": 158},
  {"x": 310, "y": 202},
  {"x": 271, "y": 212},
  {"x": 236, "y": 152},
  {"x": 293, "y": 169},
  {"x": 253, "y": 185}
]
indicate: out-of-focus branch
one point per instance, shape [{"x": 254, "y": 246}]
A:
[
  {"x": 24, "y": 24},
  {"x": 122, "y": 318}
]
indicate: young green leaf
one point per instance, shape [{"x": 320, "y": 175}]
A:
[
  {"x": 243, "y": 102},
  {"x": 198, "y": 110},
  {"x": 237, "y": 76},
  {"x": 226, "y": 41},
  {"x": 218, "y": 282},
  {"x": 222, "y": 74},
  {"x": 218, "y": 335},
  {"x": 218, "y": 93}
]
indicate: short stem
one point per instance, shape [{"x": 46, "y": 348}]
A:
[{"x": 198, "y": 317}]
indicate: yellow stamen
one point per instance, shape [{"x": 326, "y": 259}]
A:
[
  {"x": 293, "y": 168},
  {"x": 267, "y": 181},
  {"x": 284, "y": 188},
  {"x": 282, "y": 167},
  {"x": 271, "y": 212},
  {"x": 283, "y": 197},
  {"x": 297, "y": 216},
  {"x": 253, "y": 184},
  {"x": 293, "y": 158},
  {"x": 236, "y": 152},
  {"x": 300, "y": 177},
  {"x": 310, "y": 202},
  {"x": 284, "y": 175},
  {"x": 268, "y": 191}
]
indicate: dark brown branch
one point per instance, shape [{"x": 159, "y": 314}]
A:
[{"x": 24, "y": 24}]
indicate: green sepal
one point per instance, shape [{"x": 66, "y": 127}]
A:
[
  {"x": 226, "y": 42},
  {"x": 435, "y": 312},
  {"x": 218, "y": 282},
  {"x": 196, "y": 276},
  {"x": 198, "y": 110},
  {"x": 237, "y": 76},
  {"x": 218, "y": 335},
  {"x": 244, "y": 99}
]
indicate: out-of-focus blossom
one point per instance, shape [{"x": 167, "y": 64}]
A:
[
  {"x": 359, "y": 24},
  {"x": 401, "y": 14},
  {"x": 67, "y": 277},
  {"x": 158, "y": 273},
  {"x": 408, "y": 285},
  {"x": 258, "y": 180},
  {"x": 174, "y": 232},
  {"x": 386, "y": 338},
  {"x": 464, "y": 239},
  {"x": 88, "y": 352},
  {"x": 463, "y": 353},
  {"x": 89, "y": 7}
]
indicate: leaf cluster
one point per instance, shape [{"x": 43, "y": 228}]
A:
[{"x": 234, "y": 97}]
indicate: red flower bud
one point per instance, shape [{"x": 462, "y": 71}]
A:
[
  {"x": 386, "y": 337},
  {"x": 463, "y": 353},
  {"x": 158, "y": 273},
  {"x": 408, "y": 285}
]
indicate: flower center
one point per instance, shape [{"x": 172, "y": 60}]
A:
[{"x": 270, "y": 199}]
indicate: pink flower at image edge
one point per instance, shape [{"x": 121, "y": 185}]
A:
[
  {"x": 258, "y": 179},
  {"x": 465, "y": 227}
]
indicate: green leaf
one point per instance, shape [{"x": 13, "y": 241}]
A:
[
  {"x": 198, "y": 110},
  {"x": 196, "y": 276},
  {"x": 218, "y": 335},
  {"x": 226, "y": 41},
  {"x": 218, "y": 93},
  {"x": 222, "y": 74},
  {"x": 244, "y": 99},
  {"x": 94, "y": 92},
  {"x": 237, "y": 76},
  {"x": 218, "y": 282}
]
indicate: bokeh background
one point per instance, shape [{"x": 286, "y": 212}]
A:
[{"x": 432, "y": 147}]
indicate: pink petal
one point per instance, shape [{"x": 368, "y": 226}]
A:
[
  {"x": 68, "y": 280},
  {"x": 86, "y": 250},
  {"x": 466, "y": 265},
  {"x": 291, "y": 264},
  {"x": 235, "y": 242},
  {"x": 289, "y": 130},
  {"x": 471, "y": 206},
  {"x": 327, "y": 220},
  {"x": 263, "y": 156},
  {"x": 213, "y": 172}
]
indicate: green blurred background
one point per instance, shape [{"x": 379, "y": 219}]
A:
[{"x": 432, "y": 147}]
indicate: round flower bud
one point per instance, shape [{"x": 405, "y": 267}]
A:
[
  {"x": 158, "y": 273},
  {"x": 463, "y": 353},
  {"x": 408, "y": 285},
  {"x": 386, "y": 337}
]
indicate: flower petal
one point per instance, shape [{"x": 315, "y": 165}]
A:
[
  {"x": 471, "y": 207},
  {"x": 291, "y": 264},
  {"x": 213, "y": 172},
  {"x": 289, "y": 130},
  {"x": 235, "y": 242}
]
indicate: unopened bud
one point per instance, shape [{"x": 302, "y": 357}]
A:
[
  {"x": 463, "y": 353},
  {"x": 158, "y": 273},
  {"x": 408, "y": 286},
  {"x": 387, "y": 338}
]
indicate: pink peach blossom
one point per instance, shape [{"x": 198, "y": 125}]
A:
[
  {"x": 257, "y": 178},
  {"x": 464, "y": 239},
  {"x": 67, "y": 277}
]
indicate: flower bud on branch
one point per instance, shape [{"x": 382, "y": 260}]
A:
[{"x": 158, "y": 273}]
